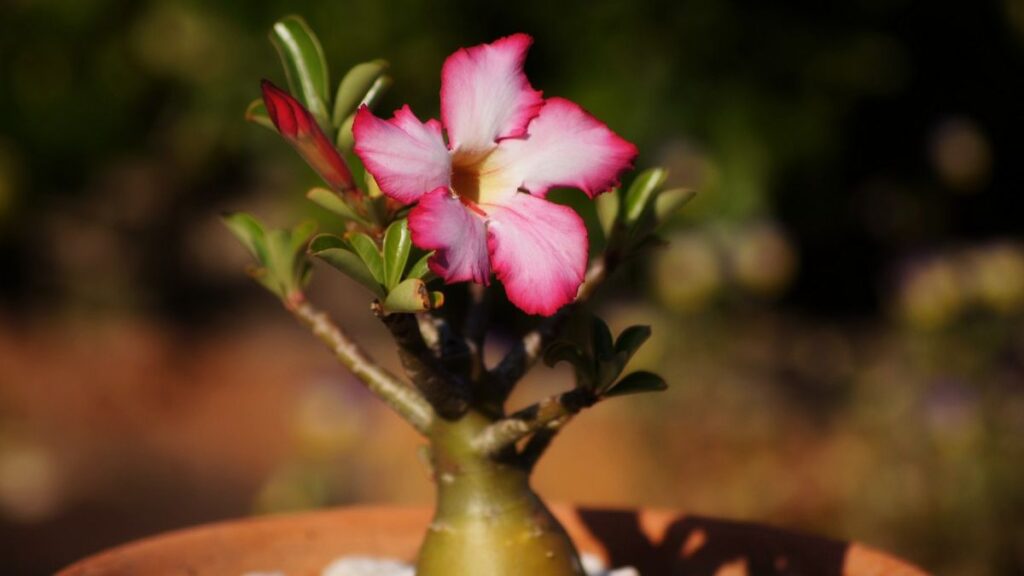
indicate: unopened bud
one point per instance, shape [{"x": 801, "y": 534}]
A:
[{"x": 299, "y": 127}]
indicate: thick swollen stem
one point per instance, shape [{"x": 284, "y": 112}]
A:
[{"x": 488, "y": 520}]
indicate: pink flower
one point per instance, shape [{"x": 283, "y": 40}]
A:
[{"x": 480, "y": 197}]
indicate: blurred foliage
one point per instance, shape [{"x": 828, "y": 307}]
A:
[{"x": 845, "y": 291}]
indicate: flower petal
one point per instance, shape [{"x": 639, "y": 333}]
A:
[
  {"x": 566, "y": 146},
  {"x": 441, "y": 222},
  {"x": 539, "y": 252},
  {"x": 407, "y": 157},
  {"x": 485, "y": 95}
]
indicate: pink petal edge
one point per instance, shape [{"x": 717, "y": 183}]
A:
[
  {"x": 567, "y": 147},
  {"x": 408, "y": 158},
  {"x": 485, "y": 95},
  {"x": 538, "y": 250}
]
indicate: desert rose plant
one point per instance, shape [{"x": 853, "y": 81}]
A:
[{"x": 464, "y": 200}]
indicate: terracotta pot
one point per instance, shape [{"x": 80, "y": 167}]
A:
[{"x": 658, "y": 543}]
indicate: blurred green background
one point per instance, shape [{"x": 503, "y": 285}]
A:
[{"x": 839, "y": 312}]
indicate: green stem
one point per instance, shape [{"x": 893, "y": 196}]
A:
[
  {"x": 550, "y": 413},
  {"x": 488, "y": 520},
  {"x": 404, "y": 400}
]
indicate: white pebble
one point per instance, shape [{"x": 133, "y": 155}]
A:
[
  {"x": 593, "y": 566},
  {"x": 369, "y": 566}
]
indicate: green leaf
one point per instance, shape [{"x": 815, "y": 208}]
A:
[
  {"x": 301, "y": 234},
  {"x": 409, "y": 296},
  {"x": 607, "y": 205},
  {"x": 632, "y": 339},
  {"x": 283, "y": 267},
  {"x": 280, "y": 259},
  {"x": 322, "y": 242},
  {"x": 641, "y": 191},
  {"x": 436, "y": 299},
  {"x": 352, "y": 266},
  {"x": 583, "y": 365},
  {"x": 304, "y": 64},
  {"x": 256, "y": 112},
  {"x": 372, "y": 188},
  {"x": 421, "y": 268},
  {"x": 346, "y": 139},
  {"x": 379, "y": 87},
  {"x": 332, "y": 202},
  {"x": 354, "y": 87},
  {"x": 670, "y": 201},
  {"x": 250, "y": 232},
  {"x": 367, "y": 250},
  {"x": 564, "y": 351},
  {"x": 397, "y": 244},
  {"x": 637, "y": 383},
  {"x": 601, "y": 339}
]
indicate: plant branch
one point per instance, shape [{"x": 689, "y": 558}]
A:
[
  {"x": 447, "y": 392},
  {"x": 525, "y": 354},
  {"x": 475, "y": 326},
  {"x": 551, "y": 413},
  {"x": 403, "y": 399},
  {"x": 538, "y": 444}
]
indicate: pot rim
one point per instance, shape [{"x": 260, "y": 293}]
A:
[{"x": 616, "y": 535}]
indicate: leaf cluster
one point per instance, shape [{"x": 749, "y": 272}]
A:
[{"x": 599, "y": 363}]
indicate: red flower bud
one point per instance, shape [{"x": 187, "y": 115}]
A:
[{"x": 299, "y": 127}]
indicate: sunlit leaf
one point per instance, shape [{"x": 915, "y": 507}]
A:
[
  {"x": 379, "y": 87},
  {"x": 322, "y": 242},
  {"x": 354, "y": 87},
  {"x": 372, "y": 188},
  {"x": 345, "y": 139},
  {"x": 436, "y": 299},
  {"x": 409, "y": 296},
  {"x": 421, "y": 268},
  {"x": 300, "y": 236},
  {"x": 640, "y": 193},
  {"x": 250, "y": 232},
  {"x": 304, "y": 64},
  {"x": 351, "y": 265},
  {"x": 397, "y": 244},
  {"x": 333, "y": 202},
  {"x": 367, "y": 250},
  {"x": 607, "y": 205}
]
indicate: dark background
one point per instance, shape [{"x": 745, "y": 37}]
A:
[{"x": 839, "y": 311}]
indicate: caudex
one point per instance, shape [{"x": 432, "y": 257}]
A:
[{"x": 433, "y": 209}]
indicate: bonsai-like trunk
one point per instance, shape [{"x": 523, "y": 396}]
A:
[{"x": 488, "y": 520}]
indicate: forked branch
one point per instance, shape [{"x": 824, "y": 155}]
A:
[
  {"x": 548, "y": 414},
  {"x": 525, "y": 354}
]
